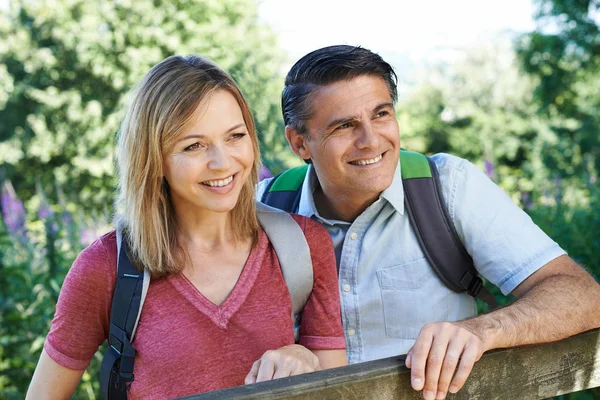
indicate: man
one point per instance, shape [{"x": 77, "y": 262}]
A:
[{"x": 338, "y": 108}]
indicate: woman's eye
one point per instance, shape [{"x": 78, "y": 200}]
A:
[
  {"x": 191, "y": 147},
  {"x": 237, "y": 136}
]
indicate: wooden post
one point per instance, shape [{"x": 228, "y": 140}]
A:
[{"x": 528, "y": 372}]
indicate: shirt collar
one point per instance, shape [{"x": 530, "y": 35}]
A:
[
  {"x": 307, "y": 201},
  {"x": 394, "y": 195}
]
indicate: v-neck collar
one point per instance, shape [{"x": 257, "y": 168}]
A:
[{"x": 221, "y": 315}]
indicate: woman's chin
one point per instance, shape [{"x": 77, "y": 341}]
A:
[{"x": 221, "y": 207}]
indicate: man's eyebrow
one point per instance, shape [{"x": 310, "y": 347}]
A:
[
  {"x": 382, "y": 106},
  {"x": 199, "y": 136},
  {"x": 340, "y": 121},
  {"x": 345, "y": 120}
]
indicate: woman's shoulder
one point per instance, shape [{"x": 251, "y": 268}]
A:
[
  {"x": 312, "y": 229},
  {"x": 103, "y": 248},
  {"x": 98, "y": 261}
]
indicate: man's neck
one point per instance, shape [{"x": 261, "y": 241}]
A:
[{"x": 341, "y": 206}]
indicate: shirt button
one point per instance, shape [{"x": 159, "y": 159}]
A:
[
  {"x": 346, "y": 288},
  {"x": 351, "y": 332},
  {"x": 353, "y": 235}
]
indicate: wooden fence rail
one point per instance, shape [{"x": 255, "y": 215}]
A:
[{"x": 528, "y": 372}]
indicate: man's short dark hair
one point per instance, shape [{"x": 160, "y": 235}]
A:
[{"x": 323, "y": 67}]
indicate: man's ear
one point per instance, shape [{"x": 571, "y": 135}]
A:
[{"x": 297, "y": 142}]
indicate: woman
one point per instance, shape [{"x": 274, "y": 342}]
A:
[{"x": 217, "y": 312}]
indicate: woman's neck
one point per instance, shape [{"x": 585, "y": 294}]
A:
[{"x": 207, "y": 231}]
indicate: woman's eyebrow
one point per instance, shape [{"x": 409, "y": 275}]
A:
[{"x": 200, "y": 136}]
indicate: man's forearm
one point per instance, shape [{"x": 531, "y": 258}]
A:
[{"x": 556, "y": 307}]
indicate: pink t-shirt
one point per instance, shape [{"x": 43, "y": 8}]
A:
[{"x": 184, "y": 343}]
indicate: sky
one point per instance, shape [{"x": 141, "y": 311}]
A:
[{"x": 402, "y": 31}]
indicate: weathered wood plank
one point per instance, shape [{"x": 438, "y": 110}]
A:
[{"x": 528, "y": 372}]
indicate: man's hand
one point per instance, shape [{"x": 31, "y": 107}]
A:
[
  {"x": 286, "y": 361},
  {"x": 438, "y": 350}
]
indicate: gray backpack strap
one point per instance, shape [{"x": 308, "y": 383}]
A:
[
  {"x": 145, "y": 282},
  {"x": 294, "y": 256}
]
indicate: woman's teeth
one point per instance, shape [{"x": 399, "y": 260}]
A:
[
  {"x": 219, "y": 183},
  {"x": 367, "y": 162}
]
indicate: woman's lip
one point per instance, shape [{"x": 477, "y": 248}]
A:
[
  {"x": 219, "y": 179},
  {"x": 222, "y": 189}
]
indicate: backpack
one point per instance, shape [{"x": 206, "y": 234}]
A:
[
  {"x": 293, "y": 253},
  {"x": 428, "y": 216}
]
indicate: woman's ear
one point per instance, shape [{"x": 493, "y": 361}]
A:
[{"x": 297, "y": 142}]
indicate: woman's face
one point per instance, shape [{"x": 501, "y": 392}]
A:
[{"x": 211, "y": 160}]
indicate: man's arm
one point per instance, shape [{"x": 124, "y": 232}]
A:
[{"x": 559, "y": 300}]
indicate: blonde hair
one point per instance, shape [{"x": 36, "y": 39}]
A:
[{"x": 164, "y": 103}]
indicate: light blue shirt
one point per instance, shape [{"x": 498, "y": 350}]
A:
[{"x": 388, "y": 290}]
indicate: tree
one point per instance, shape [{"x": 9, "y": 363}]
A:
[
  {"x": 563, "y": 54},
  {"x": 66, "y": 67},
  {"x": 479, "y": 108}
]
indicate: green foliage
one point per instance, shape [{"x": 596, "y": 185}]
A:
[
  {"x": 67, "y": 65},
  {"x": 563, "y": 55},
  {"x": 32, "y": 268}
]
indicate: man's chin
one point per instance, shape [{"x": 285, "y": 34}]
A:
[{"x": 373, "y": 187}]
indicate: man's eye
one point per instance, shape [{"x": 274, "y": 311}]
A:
[
  {"x": 344, "y": 126},
  {"x": 382, "y": 114},
  {"x": 191, "y": 147}
]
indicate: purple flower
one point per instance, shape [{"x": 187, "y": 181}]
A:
[
  {"x": 264, "y": 173},
  {"x": 489, "y": 169},
  {"x": 45, "y": 212},
  {"x": 12, "y": 210},
  {"x": 525, "y": 201},
  {"x": 66, "y": 218}
]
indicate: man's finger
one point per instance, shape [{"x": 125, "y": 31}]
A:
[
  {"x": 420, "y": 351},
  {"x": 451, "y": 360},
  {"x": 468, "y": 359},
  {"x": 266, "y": 370},
  {"x": 408, "y": 359},
  {"x": 435, "y": 359},
  {"x": 251, "y": 377}
]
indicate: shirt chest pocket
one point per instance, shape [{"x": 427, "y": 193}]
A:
[{"x": 412, "y": 296}]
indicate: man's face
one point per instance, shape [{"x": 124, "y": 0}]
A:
[{"x": 353, "y": 138}]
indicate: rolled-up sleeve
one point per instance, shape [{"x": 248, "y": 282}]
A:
[
  {"x": 321, "y": 325},
  {"x": 506, "y": 245}
]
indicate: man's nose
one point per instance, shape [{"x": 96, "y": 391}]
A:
[{"x": 367, "y": 136}]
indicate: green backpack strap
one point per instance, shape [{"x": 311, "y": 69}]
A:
[
  {"x": 293, "y": 253},
  {"x": 434, "y": 229},
  {"x": 284, "y": 190}
]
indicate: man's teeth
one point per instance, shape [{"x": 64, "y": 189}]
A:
[
  {"x": 367, "y": 162},
  {"x": 219, "y": 183}
]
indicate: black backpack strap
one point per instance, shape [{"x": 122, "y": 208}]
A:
[
  {"x": 438, "y": 238},
  {"x": 285, "y": 189},
  {"x": 116, "y": 372}
]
